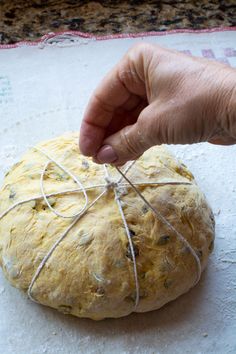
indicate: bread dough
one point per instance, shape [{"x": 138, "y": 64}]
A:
[{"x": 91, "y": 272}]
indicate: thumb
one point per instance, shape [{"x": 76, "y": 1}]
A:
[{"x": 128, "y": 143}]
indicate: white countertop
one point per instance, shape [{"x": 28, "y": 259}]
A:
[{"x": 44, "y": 100}]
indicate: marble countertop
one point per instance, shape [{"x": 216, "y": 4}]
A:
[{"x": 29, "y": 20}]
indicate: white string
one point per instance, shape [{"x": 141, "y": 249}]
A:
[
  {"x": 37, "y": 197},
  {"x": 156, "y": 183},
  {"x": 131, "y": 249},
  {"x": 126, "y": 170},
  {"x": 107, "y": 176},
  {"x": 49, "y": 205},
  {"x": 115, "y": 185},
  {"x": 117, "y": 198},
  {"x": 71, "y": 175},
  {"x": 74, "y": 190},
  {"x": 167, "y": 223},
  {"x": 54, "y": 246}
]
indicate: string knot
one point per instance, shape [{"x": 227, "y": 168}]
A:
[{"x": 110, "y": 183}]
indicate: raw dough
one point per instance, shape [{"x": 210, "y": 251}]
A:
[{"x": 91, "y": 273}]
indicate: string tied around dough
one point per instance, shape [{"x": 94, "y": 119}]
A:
[
  {"x": 120, "y": 188},
  {"x": 110, "y": 184}
]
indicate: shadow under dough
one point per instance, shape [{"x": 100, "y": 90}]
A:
[{"x": 167, "y": 318}]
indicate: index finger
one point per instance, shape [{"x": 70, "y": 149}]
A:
[
  {"x": 109, "y": 95},
  {"x": 120, "y": 88}
]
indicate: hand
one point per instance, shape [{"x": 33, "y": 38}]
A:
[{"x": 155, "y": 96}]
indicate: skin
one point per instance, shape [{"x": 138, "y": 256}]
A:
[{"x": 158, "y": 96}]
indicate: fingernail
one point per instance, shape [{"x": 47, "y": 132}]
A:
[{"x": 106, "y": 154}]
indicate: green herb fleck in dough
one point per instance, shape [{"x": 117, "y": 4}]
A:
[
  {"x": 85, "y": 239},
  {"x": 132, "y": 233},
  {"x": 185, "y": 250},
  {"x": 120, "y": 263},
  {"x": 166, "y": 265},
  {"x": 163, "y": 240},
  {"x": 85, "y": 164},
  {"x": 168, "y": 283},
  {"x": 66, "y": 309},
  {"x": 100, "y": 291},
  {"x": 129, "y": 254},
  {"x": 52, "y": 201},
  {"x": 199, "y": 254},
  {"x": 143, "y": 294},
  {"x": 12, "y": 194},
  {"x": 144, "y": 209}
]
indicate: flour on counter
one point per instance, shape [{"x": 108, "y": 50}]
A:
[{"x": 8, "y": 156}]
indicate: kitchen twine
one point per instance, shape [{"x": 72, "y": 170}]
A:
[{"x": 118, "y": 187}]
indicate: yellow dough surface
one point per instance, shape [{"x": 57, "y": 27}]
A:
[{"x": 91, "y": 271}]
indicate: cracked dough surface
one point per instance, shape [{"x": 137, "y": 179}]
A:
[{"x": 90, "y": 274}]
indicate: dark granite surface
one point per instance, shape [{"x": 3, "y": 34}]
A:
[{"x": 29, "y": 20}]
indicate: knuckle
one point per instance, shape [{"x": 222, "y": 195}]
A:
[
  {"x": 139, "y": 50},
  {"x": 129, "y": 143},
  {"x": 142, "y": 47},
  {"x": 105, "y": 106},
  {"x": 138, "y": 58}
]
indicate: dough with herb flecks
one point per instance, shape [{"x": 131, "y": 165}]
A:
[{"x": 90, "y": 273}]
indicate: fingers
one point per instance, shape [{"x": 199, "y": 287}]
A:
[
  {"x": 90, "y": 138},
  {"x": 130, "y": 142},
  {"x": 158, "y": 123},
  {"x": 127, "y": 144},
  {"x": 108, "y": 96},
  {"x": 156, "y": 96},
  {"x": 122, "y": 88},
  {"x": 225, "y": 140}
]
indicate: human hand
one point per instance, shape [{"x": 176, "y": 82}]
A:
[{"x": 155, "y": 96}]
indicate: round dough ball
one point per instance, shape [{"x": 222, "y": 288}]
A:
[{"x": 90, "y": 273}]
